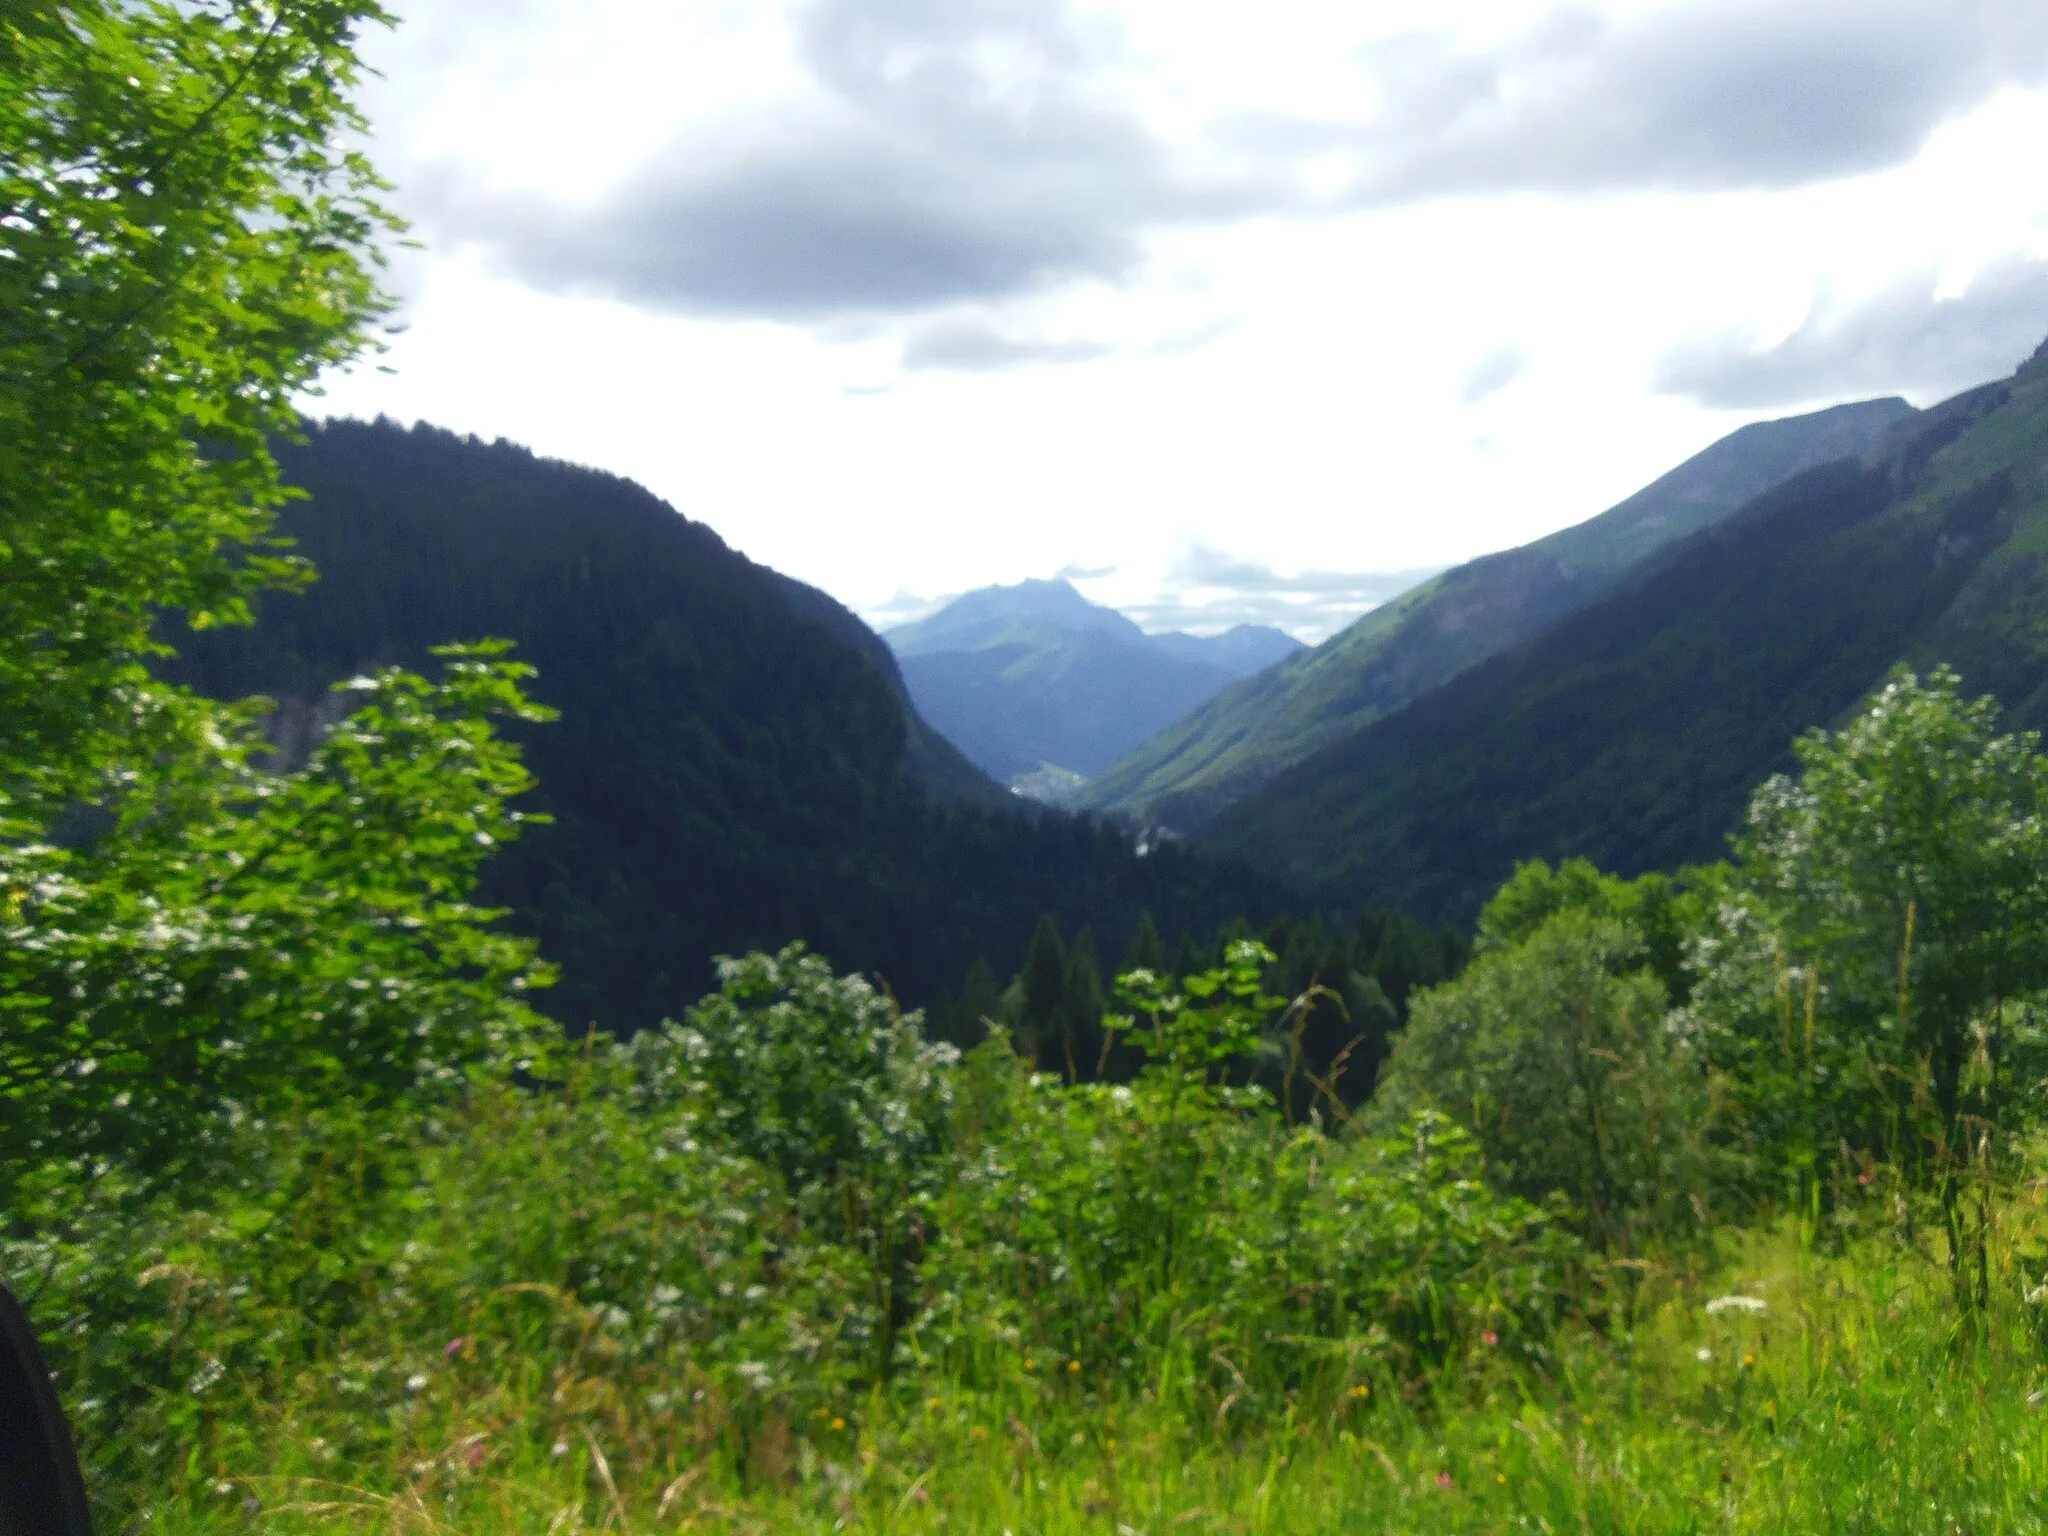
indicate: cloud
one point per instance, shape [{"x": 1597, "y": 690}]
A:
[
  {"x": 1904, "y": 339},
  {"x": 1492, "y": 374},
  {"x": 1075, "y": 571},
  {"x": 1207, "y": 589},
  {"x": 970, "y": 346},
  {"x": 958, "y": 152},
  {"x": 1708, "y": 95},
  {"x": 974, "y": 152}
]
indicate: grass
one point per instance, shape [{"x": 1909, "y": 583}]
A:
[{"x": 1853, "y": 1403}]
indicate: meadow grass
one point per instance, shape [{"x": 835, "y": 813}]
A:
[{"x": 1853, "y": 1401}]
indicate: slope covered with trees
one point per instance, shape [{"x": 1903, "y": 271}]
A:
[
  {"x": 1242, "y": 738},
  {"x": 1630, "y": 732},
  {"x": 734, "y": 765}
]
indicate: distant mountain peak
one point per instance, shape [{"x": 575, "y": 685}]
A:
[{"x": 1039, "y": 686}]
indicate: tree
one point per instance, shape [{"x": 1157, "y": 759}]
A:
[
  {"x": 187, "y": 929},
  {"x": 184, "y": 249},
  {"x": 1887, "y": 926},
  {"x": 1083, "y": 1003},
  {"x": 1044, "y": 986},
  {"x": 1146, "y": 951},
  {"x": 1553, "y": 1052}
]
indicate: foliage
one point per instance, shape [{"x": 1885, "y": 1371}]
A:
[
  {"x": 239, "y": 937},
  {"x": 1870, "y": 983},
  {"x": 192, "y": 932},
  {"x": 1554, "y": 1052},
  {"x": 183, "y": 251},
  {"x": 1662, "y": 912}
]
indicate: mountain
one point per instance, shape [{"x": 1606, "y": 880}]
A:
[
  {"x": 1633, "y": 731},
  {"x": 1036, "y": 685},
  {"x": 735, "y": 765},
  {"x": 1248, "y": 733}
]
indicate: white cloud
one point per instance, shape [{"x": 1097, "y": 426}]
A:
[{"x": 931, "y": 294}]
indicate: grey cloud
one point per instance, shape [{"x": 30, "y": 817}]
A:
[
  {"x": 1710, "y": 95},
  {"x": 1492, "y": 374},
  {"x": 1902, "y": 340},
  {"x": 961, "y": 155},
  {"x": 969, "y": 152}
]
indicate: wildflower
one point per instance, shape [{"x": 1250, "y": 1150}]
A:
[
  {"x": 1749, "y": 1359},
  {"x": 1703, "y": 1354},
  {"x": 416, "y": 1382},
  {"x": 1443, "y": 1479},
  {"x": 1862, "y": 1178},
  {"x": 1030, "y": 1364},
  {"x": 1361, "y": 1390},
  {"x": 1500, "y": 1477},
  {"x": 1722, "y": 1304},
  {"x": 1073, "y": 1366},
  {"x": 454, "y": 1346},
  {"x": 251, "y": 1505},
  {"x": 933, "y": 1402},
  {"x": 979, "y": 1432},
  {"x": 839, "y": 1423},
  {"x": 559, "y": 1449},
  {"x": 1489, "y": 1338},
  {"x": 474, "y": 1454}
]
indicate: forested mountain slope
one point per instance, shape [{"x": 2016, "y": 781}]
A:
[
  {"x": 1633, "y": 730},
  {"x": 1249, "y": 733},
  {"x": 735, "y": 766},
  {"x": 1034, "y": 675}
]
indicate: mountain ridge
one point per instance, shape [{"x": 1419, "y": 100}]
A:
[
  {"x": 1253, "y": 731},
  {"x": 1632, "y": 731}
]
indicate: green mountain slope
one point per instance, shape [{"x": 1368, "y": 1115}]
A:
[
  {"x": 733, "y": 768},
  {"x": 1034, "y": 683},
  {"x": 1249, "y": 733},
  {"x": 1633, "y": 730}
]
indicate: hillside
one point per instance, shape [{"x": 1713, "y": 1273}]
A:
[
  {"x": 735, "y": 765},
  {"x": 1035, "y": 684},
  {"x": 1250, "y": 732},
  {"x": 1632, "y": 730}
]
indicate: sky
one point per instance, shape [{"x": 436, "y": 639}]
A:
[{"x": 1227, "y": 312}]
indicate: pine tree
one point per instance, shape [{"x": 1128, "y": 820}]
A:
[
  {"x": 1084, "y": 1040},
  {"x": 1146, "y": 951},
  {"x": 1044, "y": 985}
]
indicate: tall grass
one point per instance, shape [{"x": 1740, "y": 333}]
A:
[{"x": 471, "y": 1324}]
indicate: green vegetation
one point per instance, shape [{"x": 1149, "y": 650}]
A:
[
  {"x": 1631, "y": 732},
  {"x": 1246, "y": 736},
  {"x": 788, "y": 1264},
  {"x": 735, "y": 764},
  {"x": 1706, "y": 1201}
]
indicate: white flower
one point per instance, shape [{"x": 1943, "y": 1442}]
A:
[
  {"x": 1703, "y": 1354},
  {"x": 559, "y": 1449},
  {"x": 416, "y": 1382},
  {"x": 1737, "y": 1304}
]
